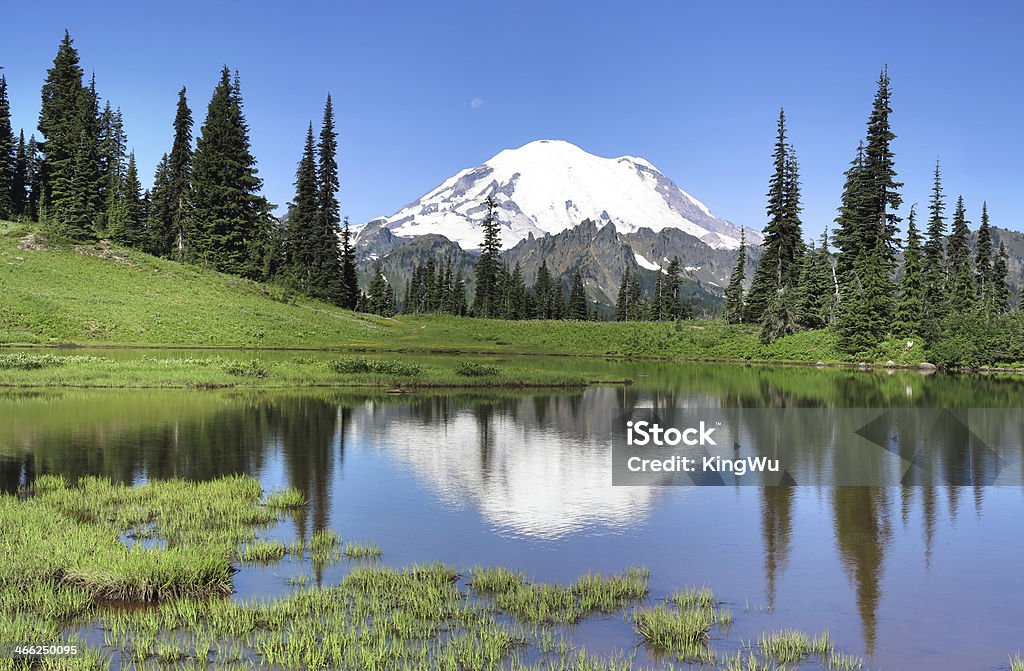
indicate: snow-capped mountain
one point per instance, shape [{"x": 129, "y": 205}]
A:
[{"x": 549, "y": 186}]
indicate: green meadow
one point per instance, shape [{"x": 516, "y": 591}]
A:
[{"x": 57, "y": 293}]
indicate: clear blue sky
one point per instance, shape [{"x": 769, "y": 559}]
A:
[{"x": 693, "y": 87}]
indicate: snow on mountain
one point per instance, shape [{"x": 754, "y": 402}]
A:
[{"x": 548, "y": 186}]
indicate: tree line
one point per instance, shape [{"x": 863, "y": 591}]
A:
[
  {"x": 81, "y": 182},
  {"x": 877, "y": 290}
]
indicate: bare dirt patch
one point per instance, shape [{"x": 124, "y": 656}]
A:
[
  {"x": 104, "y": 250},
  {"x": 33, "y": 242}
]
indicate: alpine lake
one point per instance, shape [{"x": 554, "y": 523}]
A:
[{"x": 904, "y": 575}]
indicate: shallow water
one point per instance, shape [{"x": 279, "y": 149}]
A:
[{"x": 910, "y": 577}]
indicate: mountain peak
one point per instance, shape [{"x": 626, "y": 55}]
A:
[{"x": 548, "y": 186}]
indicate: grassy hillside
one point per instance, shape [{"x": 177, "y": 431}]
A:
[
  {"x": 101, "y": 295},
  {"x": 96, "y": 294}
]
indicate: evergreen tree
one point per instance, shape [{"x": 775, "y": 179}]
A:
[
  {"x": 1000, "y": 283},
  {"x": 883, "y": 197},
  {"x": 59, "y": 123},
  {"x": 543, "y": 293},
  {"x": 961, "y": 290},
  {"x": 381, "y": 299},
  {"x": 33, "y": 169},
  {"x": 670, "y": 297},
  {"x": 910, "y": 303},
  {"x": 20, "y": 180},
  {"x": 302, "y": 238},
  {"x": 577, "y": 308},
  {"x": 485, "y": 302},
  {"x": 160, "y": 212},
  {"x": 637, "y": 309},
  {"x": 934, "y": 255},
  {"x": 112, "y": 155},
  {"x": 780, "y": 316},
  {"x": 129, "y": 225},
  {"x": 79, "y": 214},
  {"x": 8, "y": 157},
  {"x": 174, "y": 238},
  {"x": 622, "y": 300},
  {"x": 983, "y": 260},
  {"x": 734, "y": 292},
  {"x": 815, "y": 301},
  {"x": 349, "y": 278},
  {"x": 229, "y": 221},
  {"x": 783, "y": 249},
  {"x": 865, "y": 311},
  {"x": 853, "y": 218},
  {"x": 330, "y": 279}
]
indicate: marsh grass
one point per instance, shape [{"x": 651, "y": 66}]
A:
[
  {"x": 1017, "y": 662},
  {"x": 66, "y": 567},
  {"x": 790, "y": 646},
  {"x": 286, "y": 498},
  {"x": 354, "y": 550},
  {"x": 262, "y": 551},
  {"x": 837, "y": 661},
  {"x": 545, "y": 603},
  {"x": 682, "y": 625}
]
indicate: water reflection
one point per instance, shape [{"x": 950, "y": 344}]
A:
[{"x": 532, "y": 466}]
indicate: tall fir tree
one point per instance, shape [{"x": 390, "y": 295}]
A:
[
  {"x": 130, "y": 225},
  {"x": 8, "y": 156},
  {"x": 61, "y": 131},
  {"x": 160, "y": 213},
  {"x": 486, "y": 299},
  {"x": 112, "y": 150},
  {"x": 329, "y": 283},
  {"x": 21, "y": 180},
  {"x": 783, "y": 248},
  {"x": 543, "y": 293},
  {"x": 577, "y": 308},
  {"x": 815, "y": 300},
  {"x": 934, "y": 256},
  {"x": 33, "y": 170},
  {"x": 865, "y": 311},
  {"x": 853, "y": 218},
  {"x": 175, "y": 236},
  {"x": 867, "y": 230},
  {"x": 302, "y": 237},
  {"x": 961, "y": 287},
  {"x": 734, "y": 292},
  {"x": 622, "y": 299},
  {"x": 1000, "y": 281},
  {"x": 671, "y": 296},
  {"x": 983, "y": 261},
  {"x": 911, "y": 297},
  {"x": 230, "y": 221},
  {"x": 348, "y": 270},
  {"x": 381, "y": 297},
  {"x": 883, "y": 196}
]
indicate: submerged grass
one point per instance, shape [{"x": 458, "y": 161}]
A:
[
  {"x": 545, "y": 603},
  {"x": 789, "y": 645}
]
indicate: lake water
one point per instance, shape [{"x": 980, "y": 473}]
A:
[{"x": 910, "y": 577}]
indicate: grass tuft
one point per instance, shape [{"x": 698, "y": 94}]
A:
[
  {"x": 286, "y": 498},
  {"x": 789, "y": 645}
]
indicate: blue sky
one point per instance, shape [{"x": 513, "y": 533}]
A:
[{"x": 693, "y": 87}]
